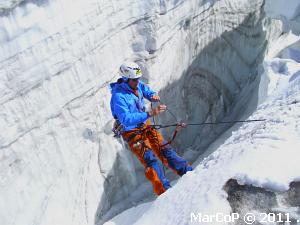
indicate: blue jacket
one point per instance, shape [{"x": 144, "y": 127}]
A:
[{"x": 127, "y": 107}]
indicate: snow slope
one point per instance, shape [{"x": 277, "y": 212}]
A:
[
  {"x": 59, "y": 163},
  {"x": 263, "y": 154}
]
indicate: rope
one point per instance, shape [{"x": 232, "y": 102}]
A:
[
  {"x": 157, "y": 143},
  {"x": 169, "y": 111},
  {"x": 184, "y": 125},
  {"x": 159, "y": 126}
]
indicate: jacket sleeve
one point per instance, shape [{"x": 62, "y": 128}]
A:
[
  {"x": 126, "y": 117},
  {"x": 147, "y": 92}
]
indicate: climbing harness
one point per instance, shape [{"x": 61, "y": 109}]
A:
[{"x": 117, "y": 128}]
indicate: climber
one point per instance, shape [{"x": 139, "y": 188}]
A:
[{"x": 128, "y": 108}]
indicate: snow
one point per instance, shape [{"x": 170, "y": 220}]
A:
[
  {"x": 59, "y": 162},
  {"x": 264, "y": 154}
]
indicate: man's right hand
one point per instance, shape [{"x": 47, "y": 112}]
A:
[{"x": 159, "y": 109}]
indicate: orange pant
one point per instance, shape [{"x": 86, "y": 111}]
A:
[{"x": 151, "y": 139}]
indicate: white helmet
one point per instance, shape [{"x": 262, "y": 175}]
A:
[{"x": 130, "y": 70}]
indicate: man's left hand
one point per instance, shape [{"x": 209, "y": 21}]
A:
[{"x": 155, "y": 98}]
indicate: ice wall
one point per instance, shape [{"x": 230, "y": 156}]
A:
[
  {"x": 227, "y": 42},
  {"x": 59, "y": 163},
  {"x": 287, "y": 12},
  {"x": 289, "y": 16},
  {"x": 7, "y": 5}
]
